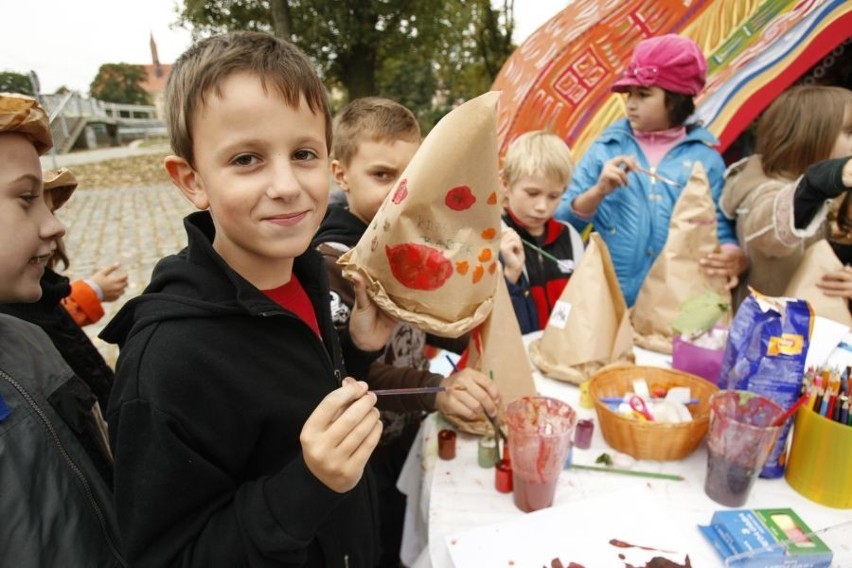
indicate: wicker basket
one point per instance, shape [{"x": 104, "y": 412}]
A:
[{"x": 647, "y": 440}]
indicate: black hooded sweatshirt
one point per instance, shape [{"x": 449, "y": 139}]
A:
[{"x": 213, "y": 385}]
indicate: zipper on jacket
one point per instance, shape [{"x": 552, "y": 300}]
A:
[
  {"x": 68, "y": 460},
  {"x": 335, "y": 371}
]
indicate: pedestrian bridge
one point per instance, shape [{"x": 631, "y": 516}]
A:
[{"x": 70, "y": 113}]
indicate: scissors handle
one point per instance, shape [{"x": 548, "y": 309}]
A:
[{"x": 637, "y": 404}]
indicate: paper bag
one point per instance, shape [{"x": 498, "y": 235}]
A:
[
  {"x": 676, "y": 275},
  {"x": 430, "y": 255},
  {"x": 818, "y": 259},
  {"x": 497, "y": 347},
  {"x": 589, "y": 327}
]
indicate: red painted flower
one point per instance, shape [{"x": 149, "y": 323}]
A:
[
  {"x": 401, "y": 192},
  {"x": 460, "y": 198},
  {"x": 419, "y": 267}
]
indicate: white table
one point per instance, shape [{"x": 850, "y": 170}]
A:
[{"x": 448, "y": 497}]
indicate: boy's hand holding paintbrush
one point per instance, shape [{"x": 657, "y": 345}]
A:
[{"x": 340, "y": 434}]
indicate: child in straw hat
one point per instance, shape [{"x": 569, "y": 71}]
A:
[{"x": 49, "y": 419}]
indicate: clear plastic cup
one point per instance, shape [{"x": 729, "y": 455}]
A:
[
  {"x": 739, "y": 441},
  {"x": 540, "y": 434}
]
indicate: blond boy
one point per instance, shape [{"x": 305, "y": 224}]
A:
[
  {"x": 536, "y": 171},
  {"x": 236, "y": 442}
]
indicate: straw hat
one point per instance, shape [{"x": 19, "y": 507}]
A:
[
  {"x": 60, "y": 184},
  {"x": 19, "y": 113}
]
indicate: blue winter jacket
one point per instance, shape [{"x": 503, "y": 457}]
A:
[{"x": 634, "y": 220}]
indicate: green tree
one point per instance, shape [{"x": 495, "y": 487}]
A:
[
  {"x": 12, "y": 82},
  {"x": 406, "y": 49},
  {"x": 120, "y": 83}
]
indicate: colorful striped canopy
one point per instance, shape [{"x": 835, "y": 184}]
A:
[{"x": 559, "y": 78}]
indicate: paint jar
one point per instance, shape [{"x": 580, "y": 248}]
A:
[
  {"x": 583, "y": 433},
  {"x": 487, "y": 452},
  {"x": 503, "y": 476},
  {"x": 586, "y": 398},
  {"x": 446, "y": 444}
]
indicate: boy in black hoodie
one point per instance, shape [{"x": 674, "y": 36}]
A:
[
  {"x": 374, "y": 139},
  {"x": 236, "y": 440}
]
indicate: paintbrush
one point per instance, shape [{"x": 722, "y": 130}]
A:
[
  {"x": 657, "y": 176},
  {"x": 632, "y": 472},
  {"x": 565, "y": 265},
  {"x": 412, "y": 390}
]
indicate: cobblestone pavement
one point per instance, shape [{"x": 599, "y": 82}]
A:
[{"x": 134, "y": 226}]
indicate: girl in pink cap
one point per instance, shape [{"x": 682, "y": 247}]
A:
[{"x": 628, "y": 181}]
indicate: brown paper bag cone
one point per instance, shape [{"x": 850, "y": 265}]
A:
[
  {"x": 430, "y": 255},
  {"x": 497, "y": 348},
  {"x": 818, "y": 259},
  {"x": 589, "y": 326},
  {"x": 676, "y": 275}
]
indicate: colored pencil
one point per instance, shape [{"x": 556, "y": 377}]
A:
[{"x": 632, "y": 472}]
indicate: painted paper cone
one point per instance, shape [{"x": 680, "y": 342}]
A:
[
  {"x": 497, "y": 350},
  {"x": 429, "y": 256},
  {"x": 589, "y": 327},
  {"x": 676, "y": 275},
  {"x": 818, "y": 259}
]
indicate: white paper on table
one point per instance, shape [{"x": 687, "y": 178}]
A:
[
  {"x": 582, "y": 532},
  {"x": 827, "y": 335}
]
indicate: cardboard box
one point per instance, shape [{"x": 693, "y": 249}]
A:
[{"x": 766, "y": 538}]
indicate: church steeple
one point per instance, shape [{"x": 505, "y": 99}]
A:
[{"x": 158, "y": 70}]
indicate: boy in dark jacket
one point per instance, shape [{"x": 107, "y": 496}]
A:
[
  {"x": 538, "y": 252},
  {"x": 237, "y": 442},
  {"x": 374, "y": 139},
  {"x": 55, "y": 467}
]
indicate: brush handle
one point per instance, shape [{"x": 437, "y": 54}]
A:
[
  {"x": 412, "y": 390},
  {"x": 634, "y": 473}
]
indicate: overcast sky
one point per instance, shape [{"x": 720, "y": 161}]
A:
[{"x": 73, "y": 38}]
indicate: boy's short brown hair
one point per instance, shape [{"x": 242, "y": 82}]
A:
[
  {"x": 202, "y": 68},
  {"x": 538, "y": 153},
  {"x": 374, "y": 117}
]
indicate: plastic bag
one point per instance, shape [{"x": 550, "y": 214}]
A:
[{"x": 767, "y": 346}]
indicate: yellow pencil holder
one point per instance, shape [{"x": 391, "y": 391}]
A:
[{"x": 820, "y": 462}]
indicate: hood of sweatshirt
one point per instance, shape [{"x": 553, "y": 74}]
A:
[
  {"x": 339, "y": 226},
  {"x": 195, "y": 283}
]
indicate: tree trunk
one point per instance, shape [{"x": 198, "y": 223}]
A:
[
  {"x": 359, "y": 71},
  {"x": 281, "y": 21}
]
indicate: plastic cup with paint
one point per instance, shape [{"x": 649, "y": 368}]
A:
[
  {"x": 540, "y": 434},
  {"x": 739, "y": 442}
]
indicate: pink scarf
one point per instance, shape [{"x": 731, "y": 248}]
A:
[{"x": 655, "y": 144}]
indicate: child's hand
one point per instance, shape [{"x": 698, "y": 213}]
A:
[
  {"x": 369, "y": 327},
  {"x": 730, "y": 261},
  {"x": 112, "y": 284},
  {"x": 614, "y": 174},
  {"x": 837, "y": 283},
  {"x": 340, "y": 434},
  {"x": 512, "y": 251},
  {"x": 468, "y": 393}
]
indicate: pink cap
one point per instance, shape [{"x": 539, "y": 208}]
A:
[{"x": 670, "y": 62}]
